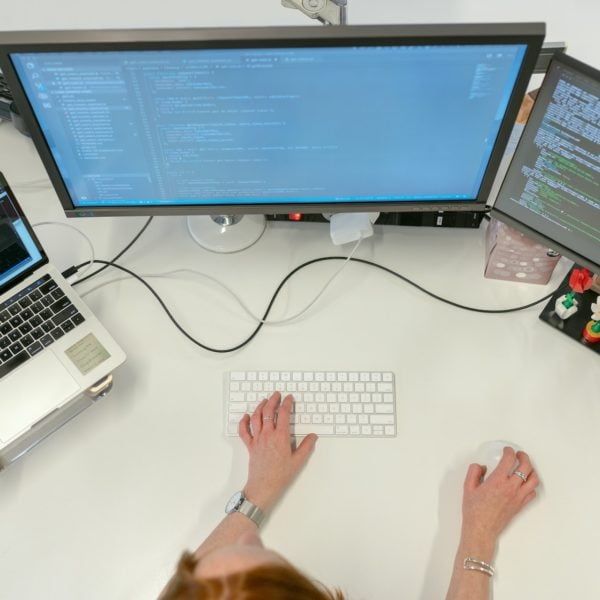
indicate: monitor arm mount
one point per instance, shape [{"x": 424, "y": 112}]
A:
[
  {"x": 343, "y": 227},
  {"x": 232, "y": 233},
  {"x": 329, "y": 12}
]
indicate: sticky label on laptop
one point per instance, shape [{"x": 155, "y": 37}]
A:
[{"x": 87, "y": 353}]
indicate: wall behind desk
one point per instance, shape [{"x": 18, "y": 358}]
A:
[{"x": 574, "y": 22}]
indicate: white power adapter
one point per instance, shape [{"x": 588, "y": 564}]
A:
[{"x": 350, "y": 227}]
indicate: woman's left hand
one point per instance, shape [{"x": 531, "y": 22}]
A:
[{"x": 273, "y": 463}]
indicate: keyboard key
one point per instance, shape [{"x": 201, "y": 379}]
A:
[
  {"x": 14, "y": 309},
  {"x": 34, "y": 348},
  {"x": 16, "y": 321},
  {"x": 37, "y": 333},
  {"x": 14, "y": 335},
  {"x": 60, "y": 304},
  {"x": 26, "y": 340},
  {"x": 37, "y": 307},
  {"x": 305, "y": 429},
  {"x": 36, "y": 321},
  {"x": 78, "y": 318},
  {"x": 25, "y": 302},
  {"x": 16, "y": 348},
  {"x": 67, "y": 326},
  {"x": 13, "y": 363},
  {"x": 381, "y": 419},
  {"x": 25, "y": 328},
  {"x": 57, "y": 333},
  {"x": 47, "y": 340},
  {"x": 46, "y": 314},
  {"x": 48, "y": 287}
]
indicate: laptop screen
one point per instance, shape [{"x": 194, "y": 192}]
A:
[{"x": 20, "y": 252}]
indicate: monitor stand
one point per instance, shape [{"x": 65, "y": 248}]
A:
[{"x": 226, "y": 233}]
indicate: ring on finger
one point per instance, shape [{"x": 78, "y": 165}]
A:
[{"x": 521, "y": 475}]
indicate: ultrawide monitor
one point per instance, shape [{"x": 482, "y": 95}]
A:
[
  {"x": 551, "y": 190},
  {"x": 266, "y": 120}
]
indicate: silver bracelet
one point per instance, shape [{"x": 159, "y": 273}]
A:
[{"x": 472, "y": 564}]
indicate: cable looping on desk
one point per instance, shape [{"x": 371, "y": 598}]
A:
[{"x": 286, "y": 279}]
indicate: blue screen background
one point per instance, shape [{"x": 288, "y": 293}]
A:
[{"x": 271, "y": 125}]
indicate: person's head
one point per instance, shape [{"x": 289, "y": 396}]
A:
[{"x": 245, "y": 570}]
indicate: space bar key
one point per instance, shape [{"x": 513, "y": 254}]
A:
[{"x": 302, "y": 429}]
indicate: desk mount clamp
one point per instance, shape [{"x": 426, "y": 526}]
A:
[{"x": 329, "y": 12}]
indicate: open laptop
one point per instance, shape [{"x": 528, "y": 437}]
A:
[{"x": 52, "y": 348}]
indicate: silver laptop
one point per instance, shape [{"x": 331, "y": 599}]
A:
[{"x": 52, "y": 348}]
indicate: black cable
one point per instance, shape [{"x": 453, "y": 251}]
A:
[
  {"x": 287, "y": 278},
  {"x": 175, "y": 322},
  {"x": 440, "y": 298},
  {"x": 133, "y": 241}
]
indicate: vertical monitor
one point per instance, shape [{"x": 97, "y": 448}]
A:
[{"x": 551, "y": 190}]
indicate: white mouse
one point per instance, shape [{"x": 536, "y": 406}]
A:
[{"x": 490, "y": 453}]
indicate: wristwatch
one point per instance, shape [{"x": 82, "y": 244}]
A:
[{"x": 239, "y": 503}]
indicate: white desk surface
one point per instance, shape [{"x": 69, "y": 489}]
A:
[{"x": 103, "y": 508}]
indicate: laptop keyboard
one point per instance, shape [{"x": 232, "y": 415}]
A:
[{"x": 32, "y": 320}]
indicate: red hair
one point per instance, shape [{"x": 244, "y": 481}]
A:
[{"x": 269, "y": 582}]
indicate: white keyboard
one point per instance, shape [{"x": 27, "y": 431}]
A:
[{"x": 328, "y": 403}]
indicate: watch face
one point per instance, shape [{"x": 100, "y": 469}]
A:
[{"x": 234, "y": 502}]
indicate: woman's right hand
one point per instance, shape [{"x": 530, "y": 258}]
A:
[{"x": 489, "y": 505}]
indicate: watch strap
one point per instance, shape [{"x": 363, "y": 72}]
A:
[{"x": 253, "y": 512}]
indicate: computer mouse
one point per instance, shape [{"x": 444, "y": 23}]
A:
[{"x": 490, "y": 453}]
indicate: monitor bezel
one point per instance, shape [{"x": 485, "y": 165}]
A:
[
  {"x": 515, "y": 222},
  {"x": 529, "y": 34}
]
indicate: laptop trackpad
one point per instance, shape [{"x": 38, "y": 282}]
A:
[{"x": 33, "y": 391}]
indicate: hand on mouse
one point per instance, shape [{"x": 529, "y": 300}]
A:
[
  {"x": 488, "y": 506},
  {"x": 273, "y": 463}
]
